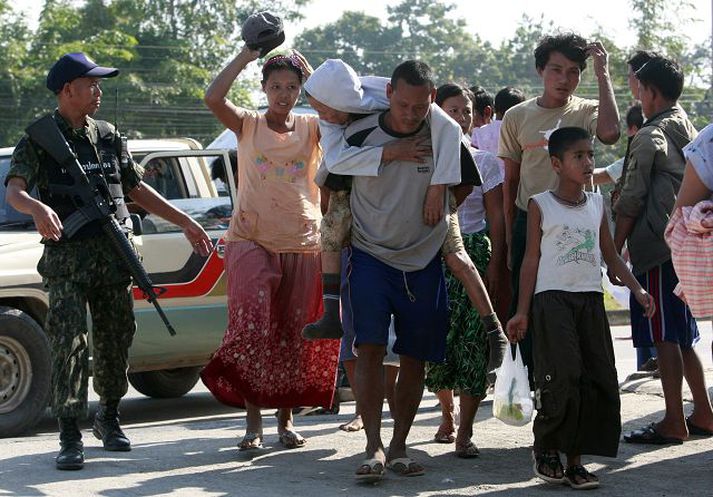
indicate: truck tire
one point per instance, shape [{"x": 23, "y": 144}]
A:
[
  {"x": 25, "y": 372},
  {"x": 165, "y": 383}
]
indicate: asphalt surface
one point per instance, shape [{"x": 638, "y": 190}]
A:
[{"x": 187, "y": 447}]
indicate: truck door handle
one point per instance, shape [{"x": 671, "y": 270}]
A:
[{"x": 220, "y": 248}]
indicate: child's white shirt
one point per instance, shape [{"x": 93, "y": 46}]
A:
[{"x": 570, "y": 256}]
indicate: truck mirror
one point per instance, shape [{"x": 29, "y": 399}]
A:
[{"x": 136, "y": 225}]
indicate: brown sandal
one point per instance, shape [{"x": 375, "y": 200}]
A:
[
  {"x": 443, "y": 437},
  {"x": 579, "y": 478},
  {"x": 251, "y": 441},
  {"x": 468, "y": 451},
  {"x": 548, "y": 461}
]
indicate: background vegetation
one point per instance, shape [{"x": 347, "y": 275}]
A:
[{"x": 168, "y": 51}]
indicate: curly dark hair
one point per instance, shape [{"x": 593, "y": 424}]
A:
[{"x": 570, "y": 45}]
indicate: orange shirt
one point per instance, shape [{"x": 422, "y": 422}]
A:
[{"x": 278, "y": 202}]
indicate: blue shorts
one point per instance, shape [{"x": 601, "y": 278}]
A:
[
  {"x": 672, "y": 321},
  {"x": 418, "y": 301},
  {"x": 346, "y": 352}
]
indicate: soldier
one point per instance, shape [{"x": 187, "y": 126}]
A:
[{"x": 85, "y": 269}]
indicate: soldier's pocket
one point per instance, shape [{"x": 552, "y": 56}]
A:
[
  {"x": 58, "y": 261},
  {"x": 111, "y": 268}
]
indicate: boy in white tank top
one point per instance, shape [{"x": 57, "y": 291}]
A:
[{"x": 577, "y": 394}]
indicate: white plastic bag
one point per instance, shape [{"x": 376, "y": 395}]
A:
[{"x": 512, "y": 403}]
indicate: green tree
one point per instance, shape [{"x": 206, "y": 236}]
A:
[
  {"x": 358, "y": 39},
  {"x": 14, "y": 38},
  {"x": 167, "y": 51},
  {"x": 516, "y": 62},
  {"x": 656, "y": 24},
  {"x": 421, "y": 29}
]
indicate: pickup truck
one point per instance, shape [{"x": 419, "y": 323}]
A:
[{"x": 195, "y": 287}]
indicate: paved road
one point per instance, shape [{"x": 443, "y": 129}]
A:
[{"x": 186, "y": 447}]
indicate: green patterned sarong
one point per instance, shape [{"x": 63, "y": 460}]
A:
[{"x": 466, "y": 345}]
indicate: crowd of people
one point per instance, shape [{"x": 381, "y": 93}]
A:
[
  {"x": 396, "y": 230},
  {"x": 521, "y": 237}
]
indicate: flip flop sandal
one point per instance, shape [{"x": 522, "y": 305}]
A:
[
  {"x": 579, "y": 472},
  {"x": 697, "y": 431},
  {"x": 649, "y": 435},
  {"x": 552, "y": 462},
  {"x": 443, "y": 437},
  {"x": 251, "y": 441},
  {"x": 349, "y": 428},
  {"x": 292, "y": 440},
  {"x": 404, "y": 466},
  {"x": 376, "y": 471},
  {"x": 468, "y": 452}
]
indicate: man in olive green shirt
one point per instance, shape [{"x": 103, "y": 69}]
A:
[{"x": 654, "y": 173}]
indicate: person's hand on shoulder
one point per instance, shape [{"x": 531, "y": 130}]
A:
[{"x": 412, "y": 149}]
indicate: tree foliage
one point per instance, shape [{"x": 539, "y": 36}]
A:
[
  {"x": 167, "y": 51},
  {"x": 425, "y": 29}
]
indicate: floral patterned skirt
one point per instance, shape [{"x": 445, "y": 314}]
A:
[
  {"x": 466, "y": 345},
  {"x": 263, "y": 358}
]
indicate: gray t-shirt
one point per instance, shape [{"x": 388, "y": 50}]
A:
[{"x": 387, "y": 209}]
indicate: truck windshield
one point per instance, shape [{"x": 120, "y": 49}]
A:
[{"x": 9, "y": 217}]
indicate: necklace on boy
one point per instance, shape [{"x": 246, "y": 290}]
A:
[{"x": 570, "y": 203}]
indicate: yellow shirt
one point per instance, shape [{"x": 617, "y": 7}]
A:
[
  {"x": 524, "y": 136},
  {"x": 278, "y": 202}
]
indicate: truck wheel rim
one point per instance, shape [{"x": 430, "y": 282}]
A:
[{"x": 15, "y": 374}]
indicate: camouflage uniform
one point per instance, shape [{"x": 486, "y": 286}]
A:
[{"x": 77, "y": 273}]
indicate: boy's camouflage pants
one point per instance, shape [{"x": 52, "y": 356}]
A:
[{"x": 76, "y": 274}]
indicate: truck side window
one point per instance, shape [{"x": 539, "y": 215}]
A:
[
  {"x": 163, "y": 175},
  {"x": 180, "y": 180}
]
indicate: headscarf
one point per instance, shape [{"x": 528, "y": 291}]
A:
[{"x": 335, "y": 84}]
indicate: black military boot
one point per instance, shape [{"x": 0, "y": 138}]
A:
[
  {"x": 71, "y": 452},
  {"x": 106, "y": 427}
]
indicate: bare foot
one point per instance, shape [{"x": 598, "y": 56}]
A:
[
  {"x": 699, "y": 425},
  {"x": 672, "y": 430},
  {"x": 354, "y": 425}
]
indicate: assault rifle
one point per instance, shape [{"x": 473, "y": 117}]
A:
[{"x": 94, "y": 202}]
